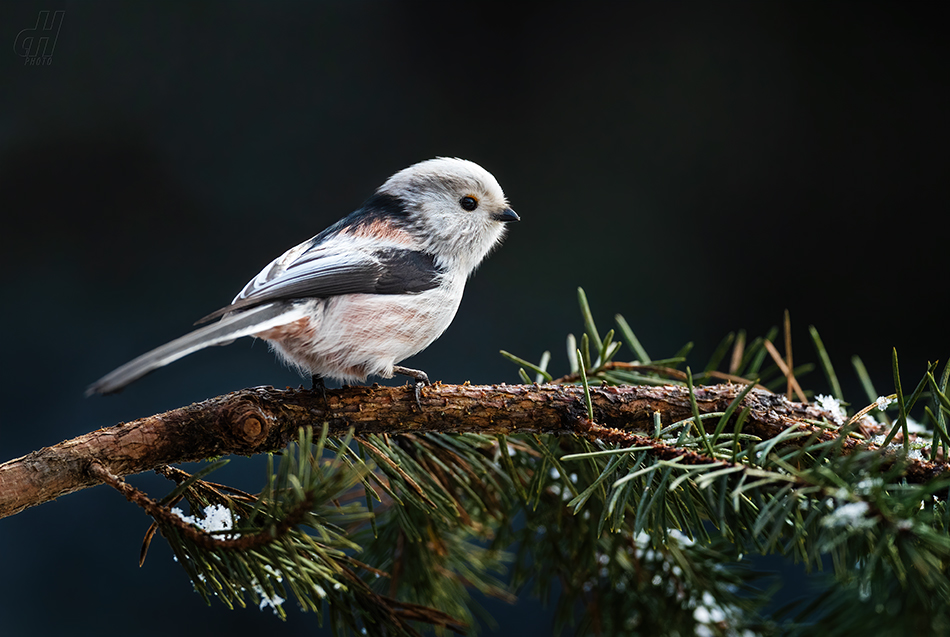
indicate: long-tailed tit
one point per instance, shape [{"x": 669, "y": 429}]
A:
[{"x": 369, "y": 291}]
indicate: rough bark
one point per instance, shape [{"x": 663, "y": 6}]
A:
[{"x": 265, "y": 419}]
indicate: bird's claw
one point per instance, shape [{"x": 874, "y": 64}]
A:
[
  {"x": 419, "y": 378},
  {"x": 318, "y": 384},
  {"x": 417, "y": 390}
]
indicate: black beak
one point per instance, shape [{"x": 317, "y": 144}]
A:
[{"x": 506, "y": 216}]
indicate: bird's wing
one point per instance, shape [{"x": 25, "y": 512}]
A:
[{"x": 321, "y": 270}]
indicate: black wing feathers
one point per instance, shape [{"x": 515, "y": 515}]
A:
[
  {"x": 406, "y": 272},
  {"x": 392, "y": 271},
  {"x": 319, "y": 273}
]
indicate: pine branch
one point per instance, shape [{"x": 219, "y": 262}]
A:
[
  {"x": 618, "y": 493},
  {"x": 265, "y": 419}
]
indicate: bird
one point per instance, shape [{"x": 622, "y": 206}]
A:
[{"x": 370, "y": 291}]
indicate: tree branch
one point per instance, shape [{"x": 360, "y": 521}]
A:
[{"x": 265, "y": 419}]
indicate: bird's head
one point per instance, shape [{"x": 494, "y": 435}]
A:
[{"x": 454, "y": 207}]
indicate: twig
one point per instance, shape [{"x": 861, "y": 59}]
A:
[
  {"x": 196, "y": 535},
  {"x": 265, "y": 419}
]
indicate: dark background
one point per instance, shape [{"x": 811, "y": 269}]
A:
[{"x": 698, "y": 168}]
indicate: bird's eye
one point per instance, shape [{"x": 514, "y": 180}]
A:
[{"x": 468, "y": 203}]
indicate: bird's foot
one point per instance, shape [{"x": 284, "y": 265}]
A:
[
  {"x": 318, "y": 384},
  {"x": 419, "y": 378}
]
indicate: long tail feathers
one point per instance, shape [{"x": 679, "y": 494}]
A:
[{"x": 243, "y": 323}]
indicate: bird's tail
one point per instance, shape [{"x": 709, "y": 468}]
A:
[{"x": 230, "y": 327}]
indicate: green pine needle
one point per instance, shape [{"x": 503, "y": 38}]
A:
[{"x": 826, "y": 364}]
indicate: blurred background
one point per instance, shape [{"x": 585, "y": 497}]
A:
[{"x": 697, "y": 167}]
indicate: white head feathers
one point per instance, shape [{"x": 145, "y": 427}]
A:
[{"x": 457, "y": 205}]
